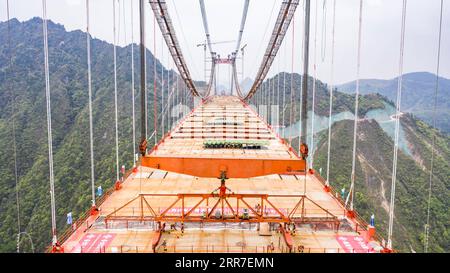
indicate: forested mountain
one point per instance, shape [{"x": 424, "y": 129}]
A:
[
  {"x": 68, "y": 77},
  {"x": 417, "y": 95},
  {"x": 374, "y": 155}
]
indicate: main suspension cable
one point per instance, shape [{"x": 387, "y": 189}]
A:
[
  {"x": 49, "y": 123},
  {"x": 397, "y": 127},
  {"x": 264, "y": 36},
  {"x": 427, "y": 226}
]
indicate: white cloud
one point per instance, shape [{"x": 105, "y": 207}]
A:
[{"x": 73, "y": 2}]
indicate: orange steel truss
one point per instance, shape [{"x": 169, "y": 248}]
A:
[
  {"x": 214, "y": 167},
  {"x": 223, "y": 204}
]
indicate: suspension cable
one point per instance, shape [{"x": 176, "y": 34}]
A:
[
  {"x": 264, "y": 36},
  {"x": 292, "y": 112},
  {"x": 301, "y": 84},
  {"x": 427, "y": 226},
  {"x": 115, "y": 92},
  {"x": 278, "y": 96},
  {"x": 331, "y": 94},
  {"x": 184, "y": 38},
  {"x": 168, "y": 84},
  {"x": 241, "y": 28},
  {"x": 272, "y": 101},
  {"x": 303, "y": 79},
  {"x": 13, "y": 117},
  {"x": 124, "y": 24},
  {"x": 155, "y": 107},
  {"x": 397, "y": 127},
  {"x": 91, "y": 134},
  {"x": 355, "y": 129},
  {"x": 176, "y": 102},
  {"x": 313, "y": 115},
  {"x": 284, "y": 92},
  {"x": 143, "y": 80},
  {"x": 324, "y": 31},
  {"x": 118, "y": 22},
  {"x": 162, "y": 85},
  {"x": 132, "y": 88},
  {"x": 49, "y": 123}
]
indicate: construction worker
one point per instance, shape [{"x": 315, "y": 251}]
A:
[
  {"x": 272, "y": 246},
  {"x": 99, "y": 191},
  {"x": 203, "y": 214},
  {"x": 257, "y": 207},
  {"x": 164, "y": 245},
  {"x": 245, "y": 215},
  {"x": 343, "y": 193},
  {"x": 222, "y": 189},
  {"x": 293, "y": 228},
  {"x": 173, "y": 226}
]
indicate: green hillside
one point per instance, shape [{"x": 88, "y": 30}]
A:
[
  {"x": 374, "y": 168},
  {"x": 68, "y": 78}
]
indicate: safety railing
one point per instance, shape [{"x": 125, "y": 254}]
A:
[
  {"x": 361, "y": 224},
  {"x": 226, "y": 249},
  {"x": 69, "y": 231}
]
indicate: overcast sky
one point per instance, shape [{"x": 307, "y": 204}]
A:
[{"x": 380, "y": 35}]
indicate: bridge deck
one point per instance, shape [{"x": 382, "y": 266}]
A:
[
  {"x": 130, "y": 235},
  {"x": 137, "y": 237},
  {"x": 226, "y": 121}
]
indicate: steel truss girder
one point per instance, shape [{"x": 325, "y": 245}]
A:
[
  {"x": 221, "y": 203},
  {"x": 162, "y": 16},
  {"x": 282, "y": 23}
]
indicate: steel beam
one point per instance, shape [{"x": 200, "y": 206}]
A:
[
  {"x": 213, "y": 167},
  {"x": 221, "y": 204}
]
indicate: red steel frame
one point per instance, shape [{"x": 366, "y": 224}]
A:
[{"x": 222, "y": 203}]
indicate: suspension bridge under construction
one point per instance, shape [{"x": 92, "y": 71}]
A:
[{"x": 223, "y": 178}]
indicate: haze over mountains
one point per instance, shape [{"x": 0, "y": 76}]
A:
[
  {"x": 68, "y": 77},
  {"x": 417, "y": 95}
]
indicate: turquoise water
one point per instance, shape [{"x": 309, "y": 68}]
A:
[{"x": 382, "y": 116}]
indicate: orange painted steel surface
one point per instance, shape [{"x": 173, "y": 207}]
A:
[
  {"x": 234, "y": 167},
  {"x": 233, "y": 203}
]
